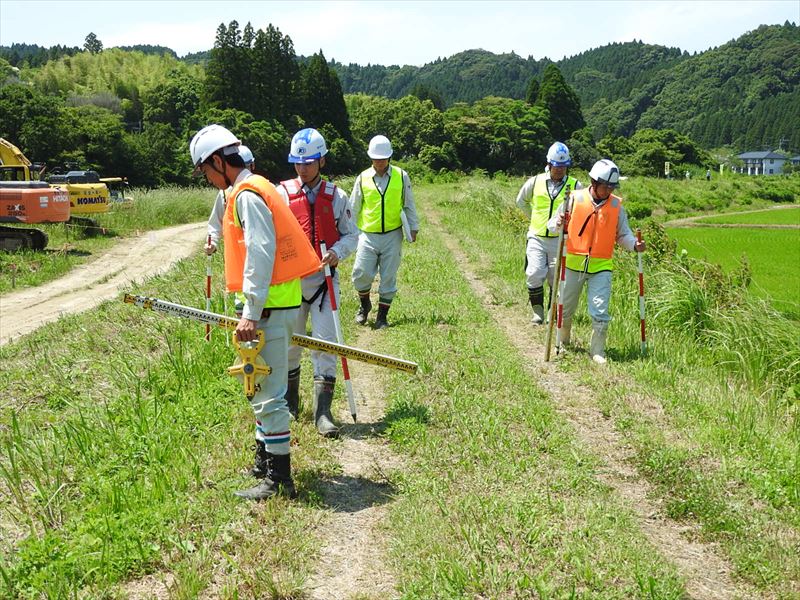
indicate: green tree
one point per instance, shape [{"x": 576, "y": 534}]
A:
[
  {"x": 173, "y": 101},
  {"x": 322, "y": 99},
  {"x": 92, "y": 44},
  {"x": 225, "y": 70},
  {"x": 561, "y": 102},
  {"x": 426, "y": 92},
  {"x": 582, "y": 150},
  {"x": 532, "y": 93},
  {"x": 93, "y": 139},
  {"x": 275, "y": 78},
  {"x": 32, "y": 121}
]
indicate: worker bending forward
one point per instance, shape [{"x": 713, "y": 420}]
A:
[{"x": 266, "y": 254}]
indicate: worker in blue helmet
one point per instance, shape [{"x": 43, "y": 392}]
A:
[
  {"x": 539, "y": 198},
  {"x": 322, "y": 209}
]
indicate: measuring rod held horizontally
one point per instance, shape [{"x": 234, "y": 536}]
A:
[{"x": 187, "y": 312}]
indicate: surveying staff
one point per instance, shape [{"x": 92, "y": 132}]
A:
[
  {"x": 539, "y": 198},
  {"x": 380, "y": 201},
  {"x": 266, "y": 254},
  {"x": 323, "y": 212},
  {"x": 596, "y": 222},
  {"x": 218, "y": 210}
]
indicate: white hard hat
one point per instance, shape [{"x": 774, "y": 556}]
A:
[
  {"x": 558, "y": 155},
  {"x": 210, "y": 139},
  {"x": 308, "y": 145},
  {"x": 246, "y": 154},
  {"x": 380, "y": 147},
  {"x": 605, "y": 171}
]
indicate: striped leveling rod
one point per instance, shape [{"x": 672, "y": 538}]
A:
[
  {"x": 351, "y": 400},
  {"x": 563, "y": 274},
  {"x": 641, "y": 295},
  {"x": 208, "y": 287},
  {"x": 304, "y": 341},
  {"x": 554, "y": 288}
]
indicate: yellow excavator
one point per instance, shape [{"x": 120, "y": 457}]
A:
[
  {"x": 85, "y": 191},
  {"x": 87, "y": 194},
  {"x": 24, "y": 201}
]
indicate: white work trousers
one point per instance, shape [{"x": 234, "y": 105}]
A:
[
  {"x": 378, "y": 252},
  {"x": 322, "y": 325},
  {"x": 269, "y": 404},
  {"x": 541, "y": 254},
  {"x": 598, "y": 293}
]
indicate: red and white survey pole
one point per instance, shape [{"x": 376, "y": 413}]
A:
[
  {"x": 351, "y": 400},
  {"x": 559, "y": 274},
  {"x": 208, "y": 287},
  {"x": 641, "y": 294}
]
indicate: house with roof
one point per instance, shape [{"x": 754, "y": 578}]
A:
[{"x": 765, "y": 162}]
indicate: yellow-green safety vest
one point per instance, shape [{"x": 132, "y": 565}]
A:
[
  {"x": 381, "y": 212},
  {"x": 543, "y": 206}
]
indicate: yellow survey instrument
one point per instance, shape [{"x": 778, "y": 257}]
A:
[{"x": 249, "y": 367}]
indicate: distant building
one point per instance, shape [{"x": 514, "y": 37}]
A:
[{"x": 765, "y": 162}]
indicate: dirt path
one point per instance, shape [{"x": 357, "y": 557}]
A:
[
  {"x": 697, "y": 221},
  {"x": 352, "y": 560},
  {"x": 88, "y": 285},
  {"x": 708, "y": 576}
]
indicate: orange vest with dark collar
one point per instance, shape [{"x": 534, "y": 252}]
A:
[{"x": 294, "y": 256}]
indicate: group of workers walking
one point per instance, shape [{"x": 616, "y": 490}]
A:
[
  {"x": 597, "y": 221},
  {"x": 278, "y": 239}
]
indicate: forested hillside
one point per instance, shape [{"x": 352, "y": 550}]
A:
[
  {"x": 463, "y": 77},
  {"x": 132, "y": 111},
  {"x": 743, "y": 93}
]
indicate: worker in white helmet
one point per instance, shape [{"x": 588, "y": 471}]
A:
[
  {"x": 382, "y": 203},
  {"x": 266, "y": 255},
  {"x": 597, "y": 222},
  {"x": 323, "y": 211},
  {"x": 539, "y": 198},
  {"x": 218, "y": 210}
]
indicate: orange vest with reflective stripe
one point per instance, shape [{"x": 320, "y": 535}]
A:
[
  {"x": 294, "y": 256},
  {"x": 592, "y": 230}
]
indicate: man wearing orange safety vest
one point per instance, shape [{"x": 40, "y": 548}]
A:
[
  {"x": 597, "y": 221},
  {"x": 539, "y": 198},
  {"x": 266, "y": 255},
  {"x": 323, "y": 211}
]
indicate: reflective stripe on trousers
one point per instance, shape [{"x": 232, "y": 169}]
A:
[{"x": 269, "y": 404}]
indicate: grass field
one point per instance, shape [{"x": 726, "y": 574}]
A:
[
  {"x": 122, "y": 440},
  {"x": 724, "y": 430},
  {"x": 784, "y": 216},
  {"x": 773, "y": 256}
]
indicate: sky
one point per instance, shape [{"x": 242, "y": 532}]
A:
[{"x": 399, "y": 32}]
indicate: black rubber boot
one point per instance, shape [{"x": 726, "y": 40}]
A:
[
  {"x": 363, "y": 311},
  {"x": 536, "y": 298},
  {"x": 323, "y": 396},
  {"x": 293, "y": 392},
  {"x": 261, "y": 463},
  {"x": 277, "y": 483},
  {"x": 383, "y": 311}
]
